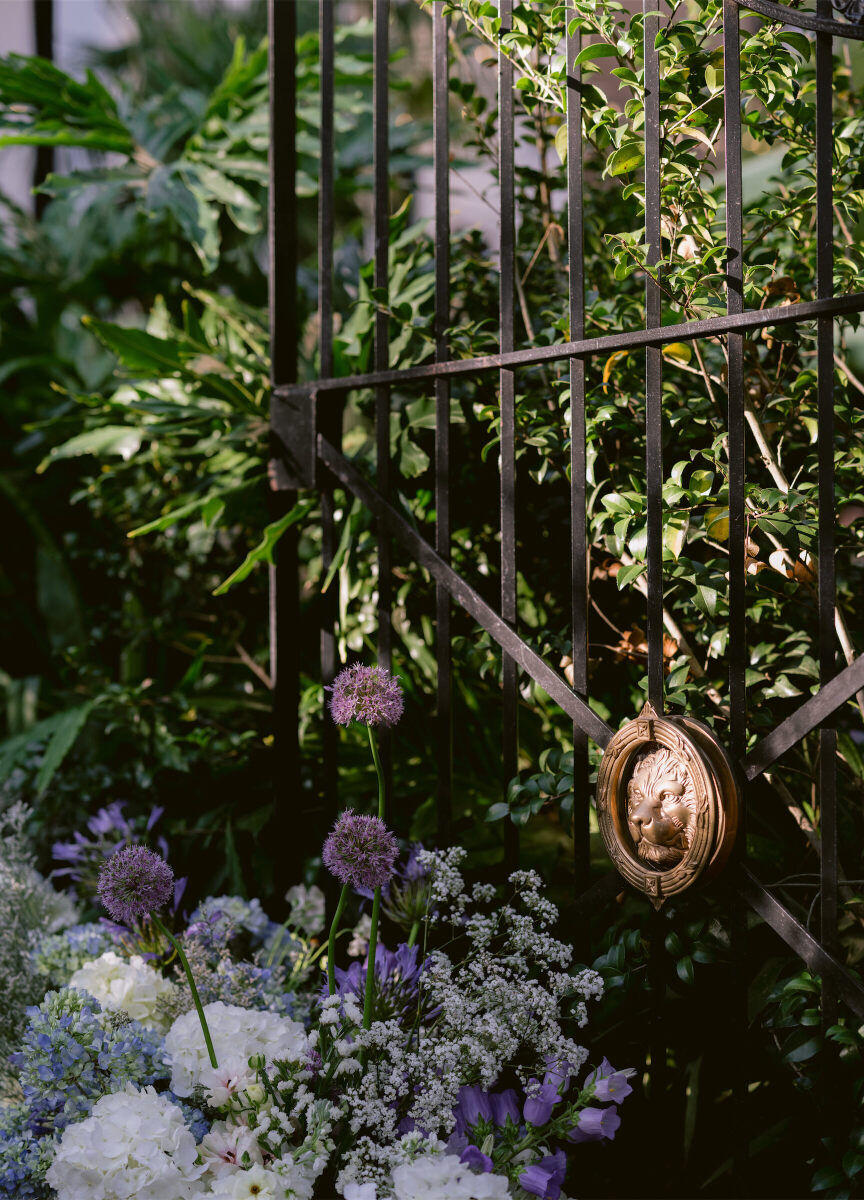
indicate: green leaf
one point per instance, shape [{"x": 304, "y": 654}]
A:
[
  {"x": 263, "y": 552},
  {"x": 627, "y": 574},
  {"x": 121, "y": 440},
  {"x": 595, "y": 50},
  {"x": 497, "y": 811},
  {"x": 62, "y": 740},
  {"x": 684, "y": 969},
  {"x": 627, "y": 158},
  {"x": 561, "y": 142},
  {"x": 706, "y": 599},
  {"x": 717, "y": 523},
  {"x": 140, "y": 352}
]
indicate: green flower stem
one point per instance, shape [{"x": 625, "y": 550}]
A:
[
  {"x": 331, "y": 942},
  {"x": 374, "y": 744},
  {"x": 181, "y": 954},
  {"x": 376, "y": 903},
  {"x": 412, "y": 936},
  {"x": 370, "y": 962}
]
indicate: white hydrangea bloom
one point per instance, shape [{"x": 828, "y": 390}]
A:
[
  {"x": 127, "y": 984},
  {"x": 360, "y": 1191},
  {"x": 444, "y": 1177},
  {"x": 237, "y": 1034},
  {"x": 224, "y": 1148},
  {"x": 133, "y": 1144}
]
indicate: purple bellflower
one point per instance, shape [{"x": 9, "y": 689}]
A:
[
  {"x": 537, "y": 1109},
  {"x": 595, "y": 1125},
  {"x": 545, "y": 1178},
  {"x": 475, "y": 1105},
  {"x": 370, "y": 695},
  {"x": 609, "y": 1084},
  {"x": 473, "y": 1157},
  {"x": 361, "y": 851}
]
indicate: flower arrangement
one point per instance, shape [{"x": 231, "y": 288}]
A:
[{"x": 239, "y": 1058}]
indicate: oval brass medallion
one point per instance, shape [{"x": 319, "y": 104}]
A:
[{"x": 667, "y": 803}]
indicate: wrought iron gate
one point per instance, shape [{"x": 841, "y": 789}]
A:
[{"x": 306, "y": 428}]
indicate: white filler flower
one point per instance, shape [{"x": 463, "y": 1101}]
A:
[
  {"x": 133, "y": 1144},
  {"x": 237, "y": 1034},
  {"x": 444, "y": 1177},
  {"x": 127, "y": 984}
]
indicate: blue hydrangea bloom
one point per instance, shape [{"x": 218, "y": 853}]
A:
[
  {"x": 57, "y": 956},
  {"x": 24, "y": 1156},
  {"x": 72, "y": 1054}
]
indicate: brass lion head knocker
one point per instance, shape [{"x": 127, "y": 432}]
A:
[{"x": 667, "y": 803}]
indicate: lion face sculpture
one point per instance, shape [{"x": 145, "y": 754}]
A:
[{"x": 661, "y": 808}]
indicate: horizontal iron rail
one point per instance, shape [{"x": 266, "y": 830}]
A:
[
  {"x": 805, "y": 718},
  {"x": 464, "y": 595},
  {"x": 803, "y": 20},
  {"x": 632, "y": 339},
  {"x": 849, "y": 988}
]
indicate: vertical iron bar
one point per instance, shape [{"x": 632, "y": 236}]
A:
[
  {"x": 381, "y": 276},
  {"x": 284, "y": 574},
  {"x": 578, "y": 461},
  {"x": 654, "y": 517},
  {"x": 43, "y": 30},
  {"x": 441, "y": 138},
  {"x": 653, "y": 363},
  {"x": 736, "y": 1045},
  {"x": 507, "y": 384},
  {"x": 332, "y": 425},
  {"x": 825, "y": 401},
  {"x": 735, "y": 385}
]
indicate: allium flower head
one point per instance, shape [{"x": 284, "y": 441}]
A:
[
  {"x": 370, "y": 695},
  {"x": 135, "y": 882},
  {"x": 361, "y": 851}
]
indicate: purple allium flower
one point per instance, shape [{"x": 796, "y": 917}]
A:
[
  {"x": 135, "y": 882},
  {"x": 595, "y": 1124},
  {"x": 545, "y": 1178},
  {"x": 361, "y": 850},
  {"x": 370, "y": 695}
]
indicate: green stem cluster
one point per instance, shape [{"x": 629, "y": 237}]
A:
[{"x": 369, "y": 998}]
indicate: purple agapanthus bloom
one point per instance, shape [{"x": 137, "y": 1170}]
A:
[
  {"x": 369, "y": 695},
  {"x": 135, "y": 883},
  {"x": 108, "y": 830},
  {"x": 473, "y": 1157},
  {"x": 397, "y": 976},
  {"x": 545, "y": 1178},
  {"x": 609, "y": 1084},
  {"x": 361, "y": 850},
  {"x": 595, "y": 1125}
]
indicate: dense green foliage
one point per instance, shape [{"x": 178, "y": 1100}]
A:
[{"x": 134, "y": 362}]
